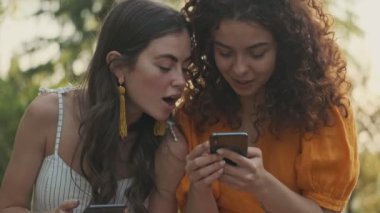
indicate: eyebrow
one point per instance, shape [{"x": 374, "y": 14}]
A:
[
  {"x": 172, "y": 57},
  {"x": 254, "y": 46}
]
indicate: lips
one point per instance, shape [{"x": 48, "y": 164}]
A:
[
  {"x": 243, "y": 82},
  {"x": 171, "y": 100}
]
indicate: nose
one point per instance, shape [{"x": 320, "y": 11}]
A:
[
  {"x": 240, "y": 65},
  {"x": 179, "y": 80}
]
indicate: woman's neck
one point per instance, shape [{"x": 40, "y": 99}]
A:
[{"x": 249, "y": 103}]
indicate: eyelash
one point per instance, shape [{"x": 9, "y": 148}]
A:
[
  {"x": 224, "y": 54},
  {"x": 257, "y": 56},
  {"x": 164, "y": 69}
]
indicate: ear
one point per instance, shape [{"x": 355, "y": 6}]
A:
[{"x": 115, "y": 66}]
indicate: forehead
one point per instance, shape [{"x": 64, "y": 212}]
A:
[
  {"x": 172, "y": 43},
  {"x": 234, "y": 31}
]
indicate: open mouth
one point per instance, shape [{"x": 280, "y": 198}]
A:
[
  {"x": 171, "y": 100},
  {"x": 243, "y": 83}
]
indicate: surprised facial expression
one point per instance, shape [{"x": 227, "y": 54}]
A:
[{"x": 157, "y": 80}]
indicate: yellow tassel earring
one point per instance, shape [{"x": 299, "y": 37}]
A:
[
  {"x": 159, "y": 128},
  {"x": 123, "y": 128}
]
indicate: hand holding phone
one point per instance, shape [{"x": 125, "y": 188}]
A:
[
  {"x": 235, "y": 141},
  {"x": 105, "y": 208}
]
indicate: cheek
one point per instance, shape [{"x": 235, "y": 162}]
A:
[
  {"x": 158, "y": 84},
  {"x": 146, "y": 77},
  {"x": 153, "y": 85},
  {"x": 268, "y": 66},
  {"x": 222, "y": 64},
  {"x": 272, "y": 67},
  {"x": 143, "y": 85}
]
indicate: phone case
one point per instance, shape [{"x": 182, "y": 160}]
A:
[
  {"x": 235, "y": 141},
  {"x": 105, "y": 208}
]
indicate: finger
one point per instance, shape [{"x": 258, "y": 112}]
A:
[
  {"x": 254, "y": 152},
  {"x": 231, "y": 155},
  {"x": 198, "y": 151},
  {"x": 68, "y": 205},
  {"x": 231, "y": 180},
  {"x": 232, "y": 170},
  {"x": 238, "y": 174},
  {"x": 206, "y": 171},
  {"x": 212, "y": 177},
  {"x": 201, "y": 162}
]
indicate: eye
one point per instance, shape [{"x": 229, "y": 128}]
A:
[
  {"x": 164, "y": 69},
  {"x": 164, "y": 64},
  {"x": 257, "y": 54},
  {"x": 225, "y": 53}
]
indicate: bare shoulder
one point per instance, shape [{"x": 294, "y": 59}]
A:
[
  {"x": 39, "y": 121},
  {"x": 43, "y": 109},
  {"x": 29, "y": 150}
]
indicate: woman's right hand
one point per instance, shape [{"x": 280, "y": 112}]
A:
[
  {"x": 203, "y": 168},
  {"x": 67, "y": 206}
]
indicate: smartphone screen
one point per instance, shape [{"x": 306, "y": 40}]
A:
[
  {"x": 235, "y": 141},
  {"x": 105, "y": 208}
]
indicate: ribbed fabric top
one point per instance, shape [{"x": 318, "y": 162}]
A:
[{"x": 57, "y": 182}]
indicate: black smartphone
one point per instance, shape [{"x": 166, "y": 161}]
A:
[
  {"x": 105, "y": 208},
  {"x": 235, "y": 141}
]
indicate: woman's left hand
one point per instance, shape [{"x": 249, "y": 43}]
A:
[{"x": 249, "y": 172}]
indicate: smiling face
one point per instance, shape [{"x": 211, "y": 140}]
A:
[
  {"x": 157, "y": 80},
  {"x": 245, "y": 54}
]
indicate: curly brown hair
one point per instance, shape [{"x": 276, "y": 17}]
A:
[{"x": 310, "y": 73}]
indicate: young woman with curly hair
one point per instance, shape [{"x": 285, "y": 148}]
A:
[
  {"x": 270, "y": 68},
  {"x": 102, "y": 143}
]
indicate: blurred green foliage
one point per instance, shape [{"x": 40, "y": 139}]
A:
[{"x": 79, "y": 22}]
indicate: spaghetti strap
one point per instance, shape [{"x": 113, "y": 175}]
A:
[
  {"x": 60, "y": 121},
  {"x": 59, "y": 92}
]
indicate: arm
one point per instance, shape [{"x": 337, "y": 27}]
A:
[
  {"x": 38, "y": 122},
  {"x": 203, "y": 169},
  {"x": 26, "y": 159},
  {"x": 273, "y": 195}
]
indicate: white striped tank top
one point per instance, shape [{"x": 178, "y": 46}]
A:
[{"x": 57, "y": 182}]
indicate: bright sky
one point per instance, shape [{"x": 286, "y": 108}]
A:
[
  {"x": 18, "y": 28},
  {"x": 367, "y": 49}
]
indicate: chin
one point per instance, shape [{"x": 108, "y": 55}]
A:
[
  {"x": 161, "y": 117},
  {"x": 244, "y": 94}
]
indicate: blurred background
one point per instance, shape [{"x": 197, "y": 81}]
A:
[{"x": 48, "y": 43}]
